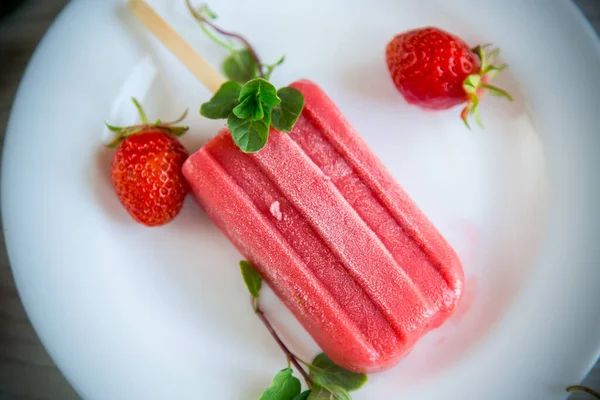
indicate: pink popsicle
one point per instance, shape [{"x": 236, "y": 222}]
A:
[{"x": 332, "y": 233}]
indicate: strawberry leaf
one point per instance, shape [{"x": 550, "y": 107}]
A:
[
  {"x": 471, "y": 83},
  {"x": 113, "y": 128},
  {"x": 478, "y": 83},
  {"x": 496, "y": 91},
  {"x": 477, "y": 117},
  {"x": 176, "y": 131}
]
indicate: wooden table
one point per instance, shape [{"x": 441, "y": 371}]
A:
[{"x": 26, "y": 370}]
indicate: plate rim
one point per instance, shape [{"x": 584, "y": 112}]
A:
[{"x": 575, "y": 12}]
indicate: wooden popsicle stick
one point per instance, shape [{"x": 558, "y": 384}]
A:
[{"x": 179, "y": 47}]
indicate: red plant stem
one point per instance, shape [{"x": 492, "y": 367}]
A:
[
  {"x": 223, "y": 32},
  {"x": 290, "y": 356},
  {"x": 584, "y": 389}
]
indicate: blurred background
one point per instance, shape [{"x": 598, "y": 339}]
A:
[{"x": 26, "y": 370}]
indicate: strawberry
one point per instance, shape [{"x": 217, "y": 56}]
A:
[
  {"x": 437, "y": 70},
  {"x": 146, "y": 169}
]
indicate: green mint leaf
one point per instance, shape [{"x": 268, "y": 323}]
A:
[
  {"x": 258, "y": 112},
  {"x": 326, "y": 373},
  {"x": 246, "y": 108},
  {"x": 223, "y": 102},
  {"x": 249, "y": 108},
  {"x": 286, "y": 114},
  {"x": 249, "y": 135},
  {"x": 251, "y": 278},
  {"x": 284, "y": 387},
  {"x": 240, "y": 66},
  {"x": 262, "y": 90},
  {"x": 329, "y": 393},
  {"x": 303, "y": 396}
]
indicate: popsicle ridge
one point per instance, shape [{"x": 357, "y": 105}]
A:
[
  {"x": 345, "y": 233},
  {"x": 315, "y": 307},
  {"x": 329, "y": 144},
  {"x": 314, "y": 252}
]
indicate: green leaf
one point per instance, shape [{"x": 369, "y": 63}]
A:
[
  {"x": 471, "y": 83},
  {"x": 256, "y": 100},
  {"x": 246, "y": 108},
  {"x": 240, "y": 66},
  {"x": 113, "y": 128},
  {"x": 496, "y": 91},
  {"x": 176, "y": 131},
  {"x": 326, "y": 373},
  {"x": 492, "y": 71},
  {"x": 262, "y": 90},
  {"x": 251, "y": 278},
  {"x": 249, "y": 135},
  {"x": 223, "y": 102},
  {"x": 284, "y": 387},
  {"x": 258, "y": 113},
  {"x": 303, "y": 395},
  {"x": 249, "y": 108},
  {"x": 492, "y": 56},
  {"x": 329, "y": 393},
  {"x": 286, "y": 114},
  {"x": 477, "y": 117},
  {"x": 474, "y": 104}
]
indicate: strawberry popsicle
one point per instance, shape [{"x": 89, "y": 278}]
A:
[{"x": 332, "y": 233}]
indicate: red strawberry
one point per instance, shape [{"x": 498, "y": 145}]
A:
[
  {"x": 146, "y": 169},
  {"x": 437, "y": 70}
]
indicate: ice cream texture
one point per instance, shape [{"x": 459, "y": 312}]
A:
[{"x": 332, "y": 233}]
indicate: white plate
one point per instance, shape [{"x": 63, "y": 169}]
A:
[{"x": 129, "y": 312}]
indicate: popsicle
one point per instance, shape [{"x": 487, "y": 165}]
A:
[{"x": 335, "y": 237}]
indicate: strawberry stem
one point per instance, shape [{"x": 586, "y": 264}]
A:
[
  {"x": 475, "y": 85},
  {"x": 122, "y": 132}
]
